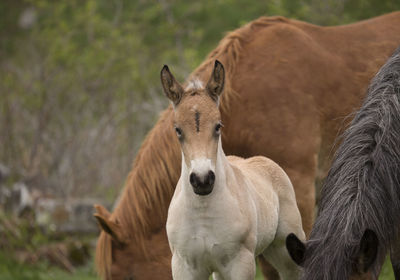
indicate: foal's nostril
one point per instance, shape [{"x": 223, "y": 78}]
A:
[
  {"x": 193, "y": 179},
  {"x": 210, "y": 178}
]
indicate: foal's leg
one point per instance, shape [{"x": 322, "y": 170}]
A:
[
  {"x": 279, "y": 257},
  {"x": 268, "y": 270},
  {"x": 242, "y": 267},
  {"x": 289, "y": 222},
  {"x": 182, "y": 271},
  {"x": 304, "y": 187}
]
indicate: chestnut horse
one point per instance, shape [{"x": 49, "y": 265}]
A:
[
  {"x": 289, "y": 86},
  {"x": 225, "y": 211}
]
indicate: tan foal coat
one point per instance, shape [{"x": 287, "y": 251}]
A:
[{"x": 219, "y": 226}]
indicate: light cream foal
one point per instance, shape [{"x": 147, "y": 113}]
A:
[{"x": 225, "y": 210}]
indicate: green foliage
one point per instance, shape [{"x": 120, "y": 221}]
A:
[
  {"x": 26, "y": 251},
  {"x": 19, "y": 233},
  {"x": 80, "y": 83},
  {"x": 363, "y": 9},
  {"x": 13, "y": 270}
]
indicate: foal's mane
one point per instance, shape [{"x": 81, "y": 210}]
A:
[
  {"x": 362, "y": 190},
  {"x": 152, "y": 180}
]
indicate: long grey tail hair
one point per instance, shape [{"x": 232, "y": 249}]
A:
[{"x": 362, "y": 189}]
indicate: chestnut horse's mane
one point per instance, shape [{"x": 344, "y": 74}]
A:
[{"x": 143, "y": 189}]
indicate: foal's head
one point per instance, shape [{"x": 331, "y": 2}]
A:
[{"x": 197, "y": 122}]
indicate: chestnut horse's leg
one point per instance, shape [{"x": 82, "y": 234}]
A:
[{"x": 304, "y": 187}]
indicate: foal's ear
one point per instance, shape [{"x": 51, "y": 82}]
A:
[
  {"x": 296, "y": 248},
  {"x": 216, "y": 83},
  {"x": 110, "y": 227},
  {"x": 172, "y": 89},
  {"x": 368, "y": 251}
]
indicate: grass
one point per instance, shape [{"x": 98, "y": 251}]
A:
[
  {"x": 23, "y": 234},
  {"x": 12, "y": 270},
  {"x": 386, "y": 272}
]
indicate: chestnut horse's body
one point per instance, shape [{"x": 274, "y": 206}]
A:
[{"x": 289, "y": 87}]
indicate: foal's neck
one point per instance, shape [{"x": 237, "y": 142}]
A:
[{"x": 222, "y": 167}]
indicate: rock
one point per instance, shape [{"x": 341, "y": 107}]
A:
[
  {"x": 73, "y": 215},
  {"x": 5, "y": 194},
  {"x": 51, "y": 213},
  {"x": 82, "y": 216},
  {"x": 66, "y": 216},
  {"x": 27, "y": 18},
  {"x": 4, "y": 173},
  {"x": 18, "y": 200}
]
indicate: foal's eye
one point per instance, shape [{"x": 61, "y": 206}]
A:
[
  {"x": 218, "y": 128},
  {"x": 178, "y": 132}
]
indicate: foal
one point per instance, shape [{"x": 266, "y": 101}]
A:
[{"x": 225, "y": 210}]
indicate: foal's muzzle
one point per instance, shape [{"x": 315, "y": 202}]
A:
[{"x": 202, "y": 186}]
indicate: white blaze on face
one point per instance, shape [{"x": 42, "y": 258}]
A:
[{"x": 201, "y": 167}]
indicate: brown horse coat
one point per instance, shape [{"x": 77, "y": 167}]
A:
[{"x": 289, "y": 87}]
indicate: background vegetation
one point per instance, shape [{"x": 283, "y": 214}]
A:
[{"x": 79, "y": 80}]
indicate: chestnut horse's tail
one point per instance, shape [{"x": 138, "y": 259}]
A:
[{"x": 362, "y": 190}]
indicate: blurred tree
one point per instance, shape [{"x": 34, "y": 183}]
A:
[{"x": 79, "y": 80}]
